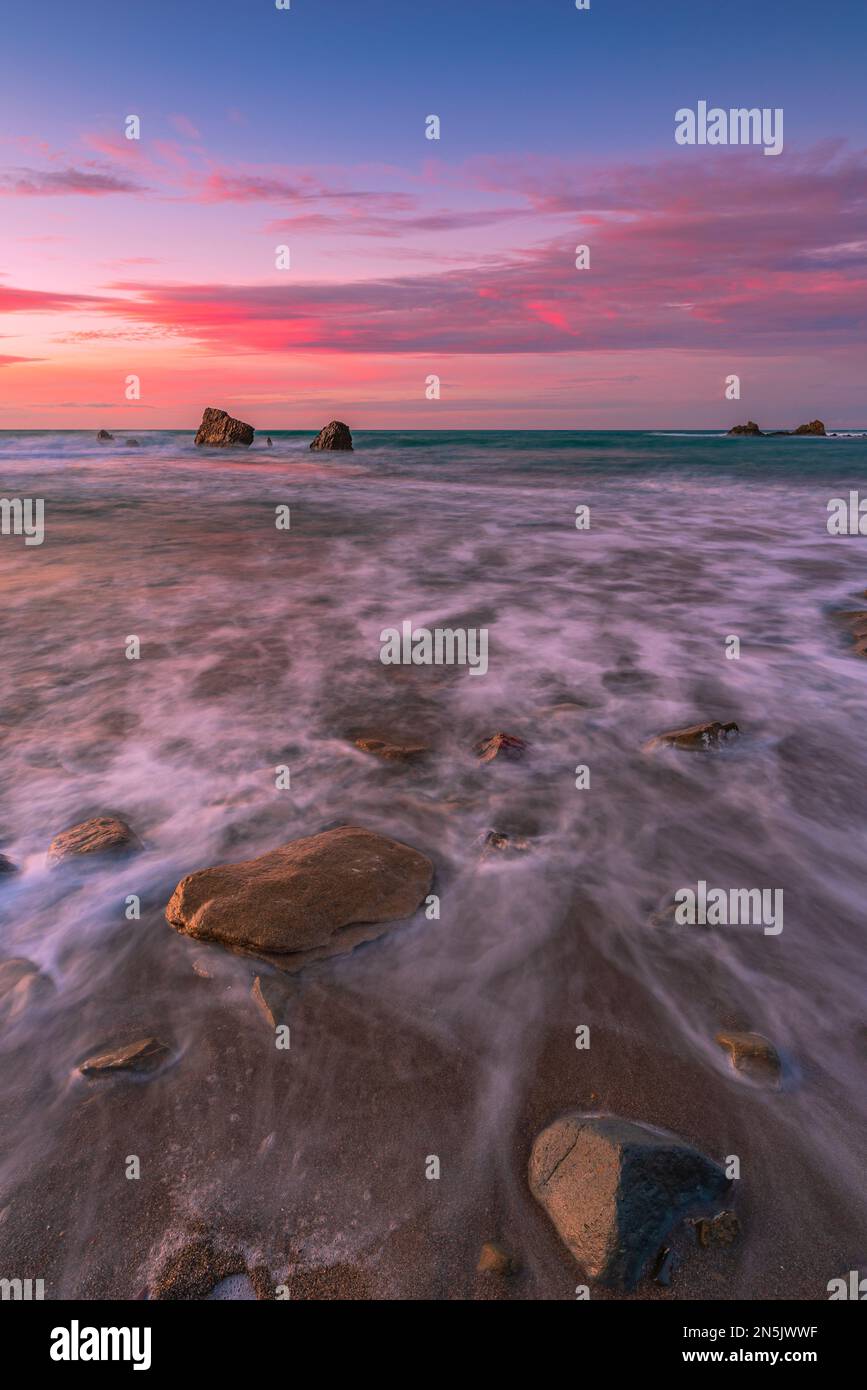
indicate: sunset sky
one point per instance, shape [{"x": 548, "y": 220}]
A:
[{"x": 412, "y": 257}]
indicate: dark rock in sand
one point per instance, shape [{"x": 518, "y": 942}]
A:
[
  {"x": 754, "y": 1055},
  {"x": 749, "y": 428},
  {"x": 493, "y": 1259},
  {"x": 6, "y": 866},
  {"x": 310, "y": 898},
  {"x": 614, "y": 1189},
  {"x": 667, "y": 1264},
  {"x": 335, "y": 435},
  {"x": 271, "y": 996},
  {"x": 721, "y": 1230},
  {"x": 145, "y": 1055},
  {"x": 695, "y": 736},
  {"x": 104, "y": 435},
  {"x": 500, "y": 745},
  {"x": 393, "y": 752},
  {"x": 101, "y": 835},
  {"x": 814, "y": 427},
  {"x": 22, "y": 983},
  {"x": 195, "y": 1271},
  {"x": 219, "y": 430}
]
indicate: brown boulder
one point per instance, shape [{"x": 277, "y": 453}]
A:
[
  {"x": 614, "y": 1190},
  {"x": 335, "y": 435},
  {"x": 310, "y": 898},
  {"x": 814, "y": 427},
  {"x": 749, "y": 428},
  {"x": 711, "y": 734},
  {"x": 101, "y": 835},
  {"x": 219, "y": 430},
  {"x": 500, "y": 745}
]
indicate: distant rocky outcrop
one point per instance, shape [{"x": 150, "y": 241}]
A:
[
  {"x": 219, "y": 430},
  {"x": 615, "y": 1189},
  {"x": 310, "y": 898},
  {"x": 132, "y": 443},
  {"x": 814, "y": 427},
  {"x": 100, "y": 835},
  {"x": 104, "y": 435},
  {"x": 335, "y": 435},
  {"x": 749, "y": 428}
]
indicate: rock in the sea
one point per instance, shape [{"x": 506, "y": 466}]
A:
[
  {"x": 219, "y": 430},
  {"x": 310, "y": 898},
  {"x": 393, "y": 752},
  {"x": 814, "y": 427},
  {"x": 722, "y": 1229},
  {"x": 132, "y": 443},
  {"x": 493, "y": 1259},
  {"x": 754, "y": 1055},
  {"x": 857, "y": 625},
  {"x": 696, "y": 736},
  {"x": 500, "y": 745},
  {"x": 22, "y": 983},
  {"x": 614, "y": 1189},
  {"x": 104, "y": 435},
  {"x": 494, "y": 842},
  {"x": 271, "y": 996},
  {"x": 144, "y": 1055},
  {"x": 749, "y": 428},
  {"x": 6, "y": 865},
  {"x": 101, "y": 835},
  {"x": 335, "y": 435}
]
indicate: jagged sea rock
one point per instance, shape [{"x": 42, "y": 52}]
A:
[
  {"x": 104, "y": 436},
  {"x": 98, "y": 836},
  {"x": 814, "y": 427},
  {"x": 219, "y": 430},
  {"x": 711, "y": 734},
  {"x": 307, "y": 899},
  {"x": 749, "y": 428},
  {"x": 500, "y": 745},
  {"x": 614, "y": 1190},
  {"x": 143, "y": 1055},
  {"x": 335, "y": 435}
]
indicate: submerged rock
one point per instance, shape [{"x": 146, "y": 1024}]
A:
[
  {"x": 310, "y": 898},
  {"x": 754, "y": 1055},
  {"x": 132, "y": 443},
  {"x": 6, "y": 865},
  {"x": 695, "y": 736},
  {"x": 104, "y": 435},
  {"x": 334, "y": 435},
  {"x": 393, "y": 752},
  {"x": 857, "y": 625},
  {"x": 493, "y": 1259},
  {"x": 749, "y": 428},
  {"x": 721, "y": 1230},
  {"x": 144, "y": 1055},
  {"x": 22, "y": 983},
  {"x": 494, "y": 842},
  {"x": 219, "y": 430},
  {"x": 100, "y": 835},
  {"x": 614, "y": 1189},
  {"x": 500, "y": 745}
]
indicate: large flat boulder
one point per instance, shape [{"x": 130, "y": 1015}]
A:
[
  {"x": 614, "y": 1190},
  {"x": 335, "y": 435},
  {"x": 101, "y": 835},
  {"x": 219, "y": 430},
  {"x": 310, "y": 898}
]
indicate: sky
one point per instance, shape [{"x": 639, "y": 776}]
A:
[{"x": 411, "y": 258}]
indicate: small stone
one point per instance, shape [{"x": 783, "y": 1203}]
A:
[
  {"x": 721, "y": 1230},
  {"x": 143, "y": 1056},
  {"x": 101, "y": 835},
  {"x": 500, "y": 745},
  {"x": 493, "y": 1259},
  {"x": 711, "y": 734},
  {"x": 496, "y": 842},
  {"x": 393, "y": 752},
  {"x": 334, "y": 435},
  {"x": 272, "y": 997},
  {"x": 753, "y": 1054}
]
